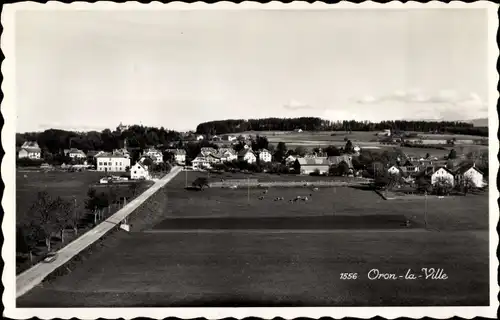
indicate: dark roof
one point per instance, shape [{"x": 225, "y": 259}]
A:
[
  {"x": 336, "y": 160},
  {"x": 323, "y": 161},
  {"x": 465, "y": 168}
]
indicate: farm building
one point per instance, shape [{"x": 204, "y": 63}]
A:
[
  {"x": 265, "y": 155},
  {"x": 112, "y": 162},
  {"x": 247, "y": 155},
  {"x": 30, "y": 150},
  {"x": 227, "y": 154},
  {"x": 473, "y": 173},
  {"x": 139, "y": 171},
  {"x": 310, "y": 165},
  {"x": 443, "y": 173}
]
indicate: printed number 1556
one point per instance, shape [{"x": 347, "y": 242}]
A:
[{"x": 348, "y": 276}]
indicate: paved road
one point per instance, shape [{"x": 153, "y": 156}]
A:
[{"x": 35, "y": 275}]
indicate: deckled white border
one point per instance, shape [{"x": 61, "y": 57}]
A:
[{"x": 8, "y": 175}]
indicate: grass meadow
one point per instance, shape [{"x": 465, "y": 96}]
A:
[{"x": 180, "y": 266}]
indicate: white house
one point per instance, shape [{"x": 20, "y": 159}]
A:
[
  {"x": 394, "y": 170},
  {"x": 200, "y": 162},
  {"x": 298, "y": 130},
  {"x": 154, "y": 154},
  {"x": 199, "y": 137},
  {"x": 75, "y": 153},
  {"x": 474, "y": 174},
  {"x": 247, "y": 155},
  {"x": 139, "y": 171},
  {"x": 265, "y": 156},
  {"x": 30, "y": 150},
  {"x": 112, "y": 162},
  {"x": 180, "y": 156},
  {"x": 443, "y": 173}
]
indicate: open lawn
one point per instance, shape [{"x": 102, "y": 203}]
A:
[
  {"x": 457, "y": 213},
  {"x": 68, "y": 185},
  {"x": 288, "y": 269},
  {"x": 224, "y": 247}
]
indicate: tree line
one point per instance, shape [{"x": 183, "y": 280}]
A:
[
  {"x": 54, "y": 141},
  {"x": 318, "y": 124}
]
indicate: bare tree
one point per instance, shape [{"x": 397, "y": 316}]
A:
[
  {"x": 64, "y": 216},
  {"x": 44, "y": 214}
]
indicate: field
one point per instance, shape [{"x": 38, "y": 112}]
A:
[
  {"x": 70, "y": 186},
  {"x": 199, "y": 253},
  {"x": 367, "y": 140}
]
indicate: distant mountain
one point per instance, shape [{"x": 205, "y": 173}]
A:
[{"x": 482, "y": 122}]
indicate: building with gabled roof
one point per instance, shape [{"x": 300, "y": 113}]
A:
[
  {"x": 310, "y": 165},
  {"x": 30, "y": 150},
  {"x": 443, "y": 173},
  {"x": 247, "y": 155},
  {"x": 471, "y": 172}
]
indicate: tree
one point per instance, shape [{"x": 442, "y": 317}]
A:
[
  {"x": 44, "y": 212},
  {"x": 442, "y": 186},
  {"x": 200, "y": 183},
  {"x": 280, "y": 153},
  {"x": 423, "y": 184},
  {"x": 348, "y": 147},
  {"x": 300, "y": 151},
  {"x": 64, "y": 217},
  {"x": 452, "y": 154},
  {"x": 332, "y": 151},
  {"x": 466, "y": 183},
  {"x": 28, "y": 236},
  {"x": 427, "y": 156},
  {"x": 342, "y": 169}
]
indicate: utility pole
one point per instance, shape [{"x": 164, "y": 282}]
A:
[
  {"x": 248, "y": 190},
  {"x": 425, "y": 213}
]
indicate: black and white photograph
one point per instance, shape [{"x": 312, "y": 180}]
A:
[{"x": 250, "y": 160}]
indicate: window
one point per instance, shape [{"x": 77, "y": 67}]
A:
[
  {"x": 135, "y": 172},
  {"x": 100, "y": 163}
]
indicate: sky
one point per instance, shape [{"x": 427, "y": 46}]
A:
[{"x": 88, "y": 70}]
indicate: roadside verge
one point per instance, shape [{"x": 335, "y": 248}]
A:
[{"x": 35, "y": 275}]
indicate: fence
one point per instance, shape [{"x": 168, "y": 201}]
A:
[{"x": 321, "y": 183}]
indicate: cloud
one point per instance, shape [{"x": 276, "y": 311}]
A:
[
  {"x": 296, "y": 105},
  {"x": 416, "y": 96}
]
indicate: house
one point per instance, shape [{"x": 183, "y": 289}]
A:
[
  {"x": 310, "y": 165},
  {"x": 75, "y": 153},
  {"x": 123, "y": 151},
  {"x": 247, "y": 155},
  {"x": 227, "y": 154},
  {"x": 139, "y": 171},
  {"x": 298, "y": 130},
  {"x": 30, "y": 150},
  {"x": 200, "y": 162},
  {"x": 443, "y": 173},
  {"x": 205, "y": 151},
  {"x": 394, "y": 170},
  {"x": 179, "y": 155},
  {"x": 290, "y": 160},
  {"x": 336, "y": 160},
  {"x": 155, "y": 155},
  {"x": 472, "y": 173},
  {"x": 229, "y": 138},
  {"x": 112, "y": 162},
  {"x": 199, "y": 137},
  {"x": 265, "y": 156}
]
